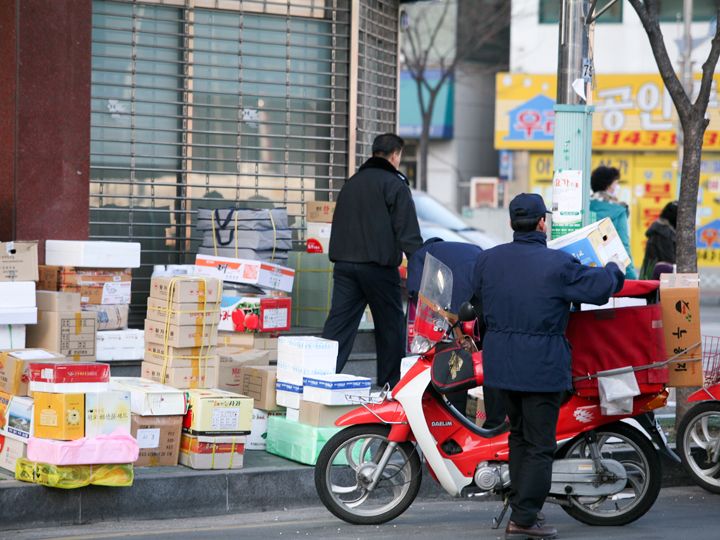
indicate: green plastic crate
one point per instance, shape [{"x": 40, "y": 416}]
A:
[{"x": 296, "y": 441}]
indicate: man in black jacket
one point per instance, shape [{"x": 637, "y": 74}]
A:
[{"x": 373, "y": 224}]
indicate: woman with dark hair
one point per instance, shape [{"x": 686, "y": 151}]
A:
[
  {"x": 605, "y": 182},
  {"x": 660, "y": 248}
]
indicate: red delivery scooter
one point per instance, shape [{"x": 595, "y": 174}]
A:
[{"x": 606, "y": 472}]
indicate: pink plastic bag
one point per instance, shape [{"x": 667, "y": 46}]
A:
[{"x": 118, "y": 447}]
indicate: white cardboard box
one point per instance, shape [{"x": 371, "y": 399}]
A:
[
  {"x": 258, "y": 432},
  {"x": 251, "y": 272},
  {"x": 17, "y": 294},
  {"x": 288, "y": 395},
  {"x": 292, "y": 414},
  {"x": 106, "y": 412},
  {"x": 594, "y": 245},
  {"x": 318, "y": 237},
  {"x": 10, "y": 451},
  {"x": 92, "y": 254},
  {"x": 12, "y": 336},
  {"x": 303, "y": 356},
  {"x": 148, "y": 398},
  {"x": 334, "y": 389},
  {"x": 120, "y": 345}
]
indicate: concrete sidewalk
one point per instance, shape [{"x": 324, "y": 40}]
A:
[{"x": 266, "y": 483}]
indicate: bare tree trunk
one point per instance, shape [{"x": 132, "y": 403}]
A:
[{"x": 423, "y": 150}]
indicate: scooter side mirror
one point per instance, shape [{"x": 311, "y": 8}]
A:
[{"x": 466, "y": 312}]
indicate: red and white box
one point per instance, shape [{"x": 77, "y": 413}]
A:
[
  {"x": 71, "y": 377},
  {"x": 251, "y": 272}
]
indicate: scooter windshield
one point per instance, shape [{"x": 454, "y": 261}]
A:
[{"x": 435, "y": 295}]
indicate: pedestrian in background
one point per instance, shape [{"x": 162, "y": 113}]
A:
[
  {"x": 660, "y": 247},
  {"x": 526, "y": 291},
  {"x": 605, "y": 184},
  {"x": 373, "y": 225}
]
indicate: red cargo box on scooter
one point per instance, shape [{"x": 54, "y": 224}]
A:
[{"x": 613, "y": 338}]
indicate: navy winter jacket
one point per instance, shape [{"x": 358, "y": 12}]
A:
[
  {"x": 526, "y": 290},
  {"x": 458, "y": 256}
]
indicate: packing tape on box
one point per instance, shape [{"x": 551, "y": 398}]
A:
[
  {"x": 232, "y": 454},
  {"x": 199, "y": 364}
]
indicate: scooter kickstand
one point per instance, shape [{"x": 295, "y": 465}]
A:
[{"x": 497, "y": 521}]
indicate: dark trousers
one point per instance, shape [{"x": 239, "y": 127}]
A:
[
  {"x": 356, "y": 285},
  {"x": 533, "y": 419}
]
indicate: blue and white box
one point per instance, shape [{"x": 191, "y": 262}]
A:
[
  {"x": 288, "y": 395},
  {"x": 335, "y": 389},
  {"x": 305, "y": 356},
  {"x": 594, "y": 245}
]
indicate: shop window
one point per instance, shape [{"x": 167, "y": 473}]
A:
[
  {"x": 550, "y": 12},
  {"x": 703, "y": 10}
]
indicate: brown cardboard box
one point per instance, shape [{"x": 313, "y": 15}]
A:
[
  {"x": 320, "y": 211},
  {"x": 250, "y": 357},
  {"x": 475, "y": 408},
  {"x": 14, "y": 374},
  {"x": 180, "y": 336},
  {"x": 187, "y": 289},
  {"x": 680, "y": 302},
  {"x": 72, "y": 334},
  {"x": 18, "y": 261},
  {"x": 57, "y": 301},
  {"x": 97, "y": 285},
  {"x": 158, "y": 438},
  {"x": 199, "y": 377},
  {"x": 319, "y": 415},
  {"x": 188, "y": 314},
  {"x": 257, "y": 382},
  {"x": 110, "y": 316},
  {"x": 185, "y": 357}
]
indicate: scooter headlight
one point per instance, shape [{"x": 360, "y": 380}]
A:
[{"x": 420, "y": 345}]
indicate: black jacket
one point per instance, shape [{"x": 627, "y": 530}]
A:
[
  {"x": 660, "y": 247},
  {"x": 375, "y": 219}
]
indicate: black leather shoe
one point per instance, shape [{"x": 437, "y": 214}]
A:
[{"x": 537, "y": 531}]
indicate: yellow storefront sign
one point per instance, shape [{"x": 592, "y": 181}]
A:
[{"x": 632, "y": 112}]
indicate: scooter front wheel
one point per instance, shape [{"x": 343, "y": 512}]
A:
[
  {"x": 698, "y": 443},
  {"x": 350, "y": 483}
]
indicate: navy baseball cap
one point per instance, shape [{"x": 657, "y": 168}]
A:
[{"x": 527, "y": 205}]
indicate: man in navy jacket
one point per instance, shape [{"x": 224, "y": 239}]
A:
[{"x": 526, "y": 290}]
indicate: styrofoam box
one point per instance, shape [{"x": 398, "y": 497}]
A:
[
  {"x": 120, "y": 344},
  {"x": 12, "y": 336},
  {"x": 288, "y": 395},
  {"x": 25, "y": 315},
  {"x": 17, "y": 294},
  {"x": 304, "y": 356},
  {"x": 92, "y": 254},
  {"x": 335, "y": 389}
]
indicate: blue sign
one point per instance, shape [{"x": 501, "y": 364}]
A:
[
  {"x": 534, "y": 120},
  {"x": 441, "y": 123},
  {"x": 708, "y": 236}
]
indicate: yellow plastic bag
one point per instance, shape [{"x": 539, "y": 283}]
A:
[{"x": 74, "y": 476}]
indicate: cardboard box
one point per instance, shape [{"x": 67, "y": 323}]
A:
[
  {"x": 71, "y": 333},
  {"x": 255, "y": 314},
  {"x": 15, "y": 368},
  {"x": 258, "y": 382},
  {"x": 335, "y": 389},
  {"x": 110, "y": 317},
  {"x": 126, "y": 344},
  {"x": 217, "y": 412},
  {"x": 148, "y": 398},
  {"x": 19, "y": 418},
  {"x": 288, "y": 395},
  {"x": 12, "y": 336},
  {"x": 17, "y": 294},
  {"x": 475, "y": 406},
  {"x": 200, "y": 290},
  {"x": 69, "y": 377},
  {"x": 251, "y": 272},
  {"x": 202, "y": 376},
  {"x": 304, "y": 356},
  {"x": 204, "y": 452},
  {"x": 158, "y": 438},
  {"x": 49, "y": 278},
  {"x": 18, "y": 261},
  {"x": 187, "y": 314},
  {"x": 4, "y": 405},
  {"x": 59, "y": 416},
  {"x": 680, "y": 302},
  {"x": 92, "y": 254},
  {"x": 57, "y": 301},
  {"x": 246, "y": 357},
  {"x": 319, "y": 211},
  {"x": 180, "y": 336},
  {"x": 319, "y": 415},
  {"x": 317, "y": 239},
  {"x": 594, "y": 245},
  {"x": 174, "y": 357},
  {"x": 97, "y": 285},
  {"x": 258, "y": 431},
  {"x": 106, "y": 412},
  {"x": 10, "y": 451},
  {"x": 240, "y": 340}
]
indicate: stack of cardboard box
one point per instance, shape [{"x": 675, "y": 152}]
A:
[
  {"x": 101, "y": 274},
  {"x": 74, "y": 421},
  {"x": 214, "y": 429},
  {"x": 18, "y": 274},
  {"x": 181, "y": 331},
  {"x": 157, "y": 418}
]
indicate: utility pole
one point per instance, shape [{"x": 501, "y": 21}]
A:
[
  {"x": 687, "y": 78},
  {"x": 573, "y": 118}
]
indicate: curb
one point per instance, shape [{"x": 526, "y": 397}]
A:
[{"x": 177, "y": 492}]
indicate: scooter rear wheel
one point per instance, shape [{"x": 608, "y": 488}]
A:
[
  {"x": 698, "y": 443},
  {"x": 346, "y": 464},
  {"x": 638, "y": 456}
]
